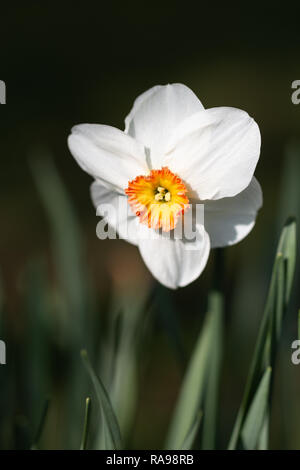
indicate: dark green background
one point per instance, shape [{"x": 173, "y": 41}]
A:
[{"x": 68, "y": 63}]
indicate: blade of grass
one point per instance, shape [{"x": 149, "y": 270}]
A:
[
  {"x": 75, "y": 298},
  {"x": 86, "y": 424},
  {"x": 123, "y": 390},
  {"x": 120, "y": 353},
  {"x": 256, "y": 364},
  {"x": 270, "y": 329},
  {"x": 215, "y": 306},
  {"x": 257, "y": 413},
  {"x": 201, "y": 381},
  {"x": 279, "y": 305},
  {"x": 288, "y": 247},
  {"x": 264, "y": 434},
  {"x": 109, "y": 421},
  {"x": 271, "y": 348},
  {"x": 192, "y": 389},
  {"x": 191, "y": 436}
]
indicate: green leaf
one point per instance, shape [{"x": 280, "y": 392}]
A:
[
  {"x": 192, "y": 390},
  {"x": 86, "y": 424},
  {"x": 264, "y": 434},
  {"x": 215, "y": 306},
  {"x": 124, "y": 384},
  {"x": 275, "y": 316},
  {"x": 256, "y": 415},
  {"x": 270, "y": 329},
  {"x": 109, "y": 421},
  {"x": 279, "y": 300},
  {"x": 73, "y": 298},
  {"x": 191, "y": 436},
  {"x": 120, "y": 353},
  {"x": 257, "y": 360},
  {"x": 288, "y": 247}
]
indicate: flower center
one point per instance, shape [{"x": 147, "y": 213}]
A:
[
  {"x": 162, "y": 194},
  {"x": 158, "y": 199}
]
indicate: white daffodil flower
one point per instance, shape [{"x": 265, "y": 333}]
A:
[{"x": 172, "y": 155}]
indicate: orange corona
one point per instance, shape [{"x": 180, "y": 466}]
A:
[{"x": 158, "y": 199}]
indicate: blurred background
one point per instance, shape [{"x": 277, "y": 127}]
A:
[{"x": 63, "y": 289}]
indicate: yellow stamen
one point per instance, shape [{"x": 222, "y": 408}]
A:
[{"x": 158, "y": 199}]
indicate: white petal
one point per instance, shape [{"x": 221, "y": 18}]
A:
[
  {"x": 107, "y": 154},
  {"x": 114, "y": 208},
  {"x": 218, "y": 159},
  {"x": 156, "y": 113},
  {"x": 185, "y": 131},
  {"x": 229, "y": 220},
  {"x": 172, "y": 262}
]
